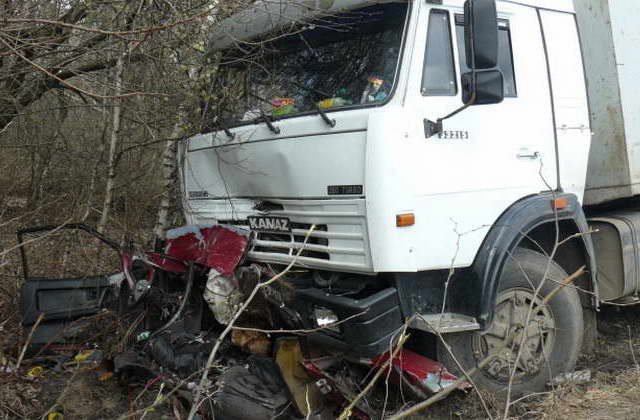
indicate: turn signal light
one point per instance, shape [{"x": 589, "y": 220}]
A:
[
  {"x": 560, "y": 203},
  {"x": 406, "y": 219}
]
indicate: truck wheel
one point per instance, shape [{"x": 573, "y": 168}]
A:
[{"x": 554, "y": 331}]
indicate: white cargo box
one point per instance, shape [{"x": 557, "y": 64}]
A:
[{"x": 610, "y": 38}]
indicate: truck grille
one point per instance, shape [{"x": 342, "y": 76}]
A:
[
  {"x": 288, "y": 244},
  {"x": 339, "y": 241}
]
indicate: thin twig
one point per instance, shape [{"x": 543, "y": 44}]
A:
[
  {"x": 26, "y": 344},
  {"x": 566, "y": 282},
  {"x": 303, "y": 331},
  {"x": 550, "y": 262},
  {"x": 464, "y": 372},
  {"x": 119, "y": 34},
  {"x": 443, "y": 393},
  {"x": 346, "y": 413},
  {"x": 34, "y": 239},
  {"x": 633, "y": 354},
  {"x": 61, "y": 397},
  {"x": 74, "y": 87}
]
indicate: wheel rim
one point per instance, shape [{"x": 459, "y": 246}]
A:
[{"x": 499, "y": 346}]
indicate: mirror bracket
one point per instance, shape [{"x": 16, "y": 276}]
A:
[{"x": 432, "y": 128}]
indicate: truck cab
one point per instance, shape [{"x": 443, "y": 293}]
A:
[
  {"x": 373, "y": 161},
  {"x": 366, "y": 120}
]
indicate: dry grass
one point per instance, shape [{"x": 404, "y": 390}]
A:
[{"x": 612, "y": 396}]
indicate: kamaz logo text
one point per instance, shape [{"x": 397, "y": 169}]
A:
[{"x": 271, "y": 224}]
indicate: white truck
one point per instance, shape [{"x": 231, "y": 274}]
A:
[{"x": 474, "y": 174}]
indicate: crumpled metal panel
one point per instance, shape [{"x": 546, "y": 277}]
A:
[
  {"x": 430, "y": 376},
  {"x": 215, "y": 247}
]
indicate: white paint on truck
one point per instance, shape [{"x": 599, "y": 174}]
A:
[{"x": 569, "y": 98}]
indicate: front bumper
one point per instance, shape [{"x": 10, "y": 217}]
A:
[{"x": 367, "y": 326}]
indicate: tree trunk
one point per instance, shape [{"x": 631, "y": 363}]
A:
[
  {"x": 100, "y": 157},
  {"x": 170, "y": 169},
  {"x": 169, "y": 175},
  {"x": 113, "y": 146}
]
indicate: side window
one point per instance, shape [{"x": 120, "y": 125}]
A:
[
  {"x": 438, "y": 72},
  {"x": 505, "y": 54}
]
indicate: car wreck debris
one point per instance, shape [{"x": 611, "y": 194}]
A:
[
  {"x": 300, "y": 349},
  {"x": 223, "y": 296},
  {"x": 425, "y": 375}
]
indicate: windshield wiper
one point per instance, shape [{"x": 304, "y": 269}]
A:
[
  {"x": 330, "y": 121},
  {"x": 268, "y": 121},
  {"x": 227, "y": 131}
]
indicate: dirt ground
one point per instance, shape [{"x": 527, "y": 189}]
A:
[{"x": 612, "y": 393}]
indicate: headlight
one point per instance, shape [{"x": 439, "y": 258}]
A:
[{"x": 325, "y": 318}]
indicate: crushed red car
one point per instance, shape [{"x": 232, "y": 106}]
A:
[{"x": 287, "y": 358}]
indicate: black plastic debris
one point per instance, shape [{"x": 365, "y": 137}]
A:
[{"x": 255, "y": 391}]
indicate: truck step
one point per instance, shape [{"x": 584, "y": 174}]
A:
[{"x": 445, "y": 323}]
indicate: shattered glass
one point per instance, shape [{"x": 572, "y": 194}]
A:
[{"x": 339, "y": 61}]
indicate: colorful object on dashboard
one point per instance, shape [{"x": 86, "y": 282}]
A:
[
  {"x": 376, "y": 82},
  {"x": 334, "y": 102},
  {"x": 373, "y": 92},
  {"x": 283, "y": 106}
]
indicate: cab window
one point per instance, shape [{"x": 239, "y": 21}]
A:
[
  {"x": 438, "y": 71},
  {"x": 505, "y": 54}
]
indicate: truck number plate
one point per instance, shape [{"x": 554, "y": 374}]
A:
[{"x": 270, "y": 224}]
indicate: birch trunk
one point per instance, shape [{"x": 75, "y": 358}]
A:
[
  {"x": 170, "y": 169},
  {"x": 99, "y": 159},
  {"x": 169, "y": 176},
  {"x": 113, "y": 146}
]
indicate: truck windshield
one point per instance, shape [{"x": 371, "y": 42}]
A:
[{"x": 345, "y": 60}]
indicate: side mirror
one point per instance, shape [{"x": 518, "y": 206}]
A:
[
  {"x": 483, "y": 87},
  {"x": 481, "y": 34},
  {"x": 484, "y": 84}
]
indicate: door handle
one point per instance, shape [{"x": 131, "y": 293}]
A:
[
  {"x": 526, "y": 154},
  {"x": 565, "y": 127}
]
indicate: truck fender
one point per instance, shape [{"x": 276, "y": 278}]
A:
[{"x": 508, "y": 232}]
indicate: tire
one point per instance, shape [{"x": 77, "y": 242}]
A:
[{"x": 554, "y": 336}]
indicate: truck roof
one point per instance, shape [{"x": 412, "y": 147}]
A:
[
  {"x": 268, "y": 16},
  {"x": 560, "y": 5}
]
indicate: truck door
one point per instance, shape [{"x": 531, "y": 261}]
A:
[
  {"x": 487, "y": 157},
  {"x": 71, "y": 273},
  {"x": 569, "y": 98}
]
